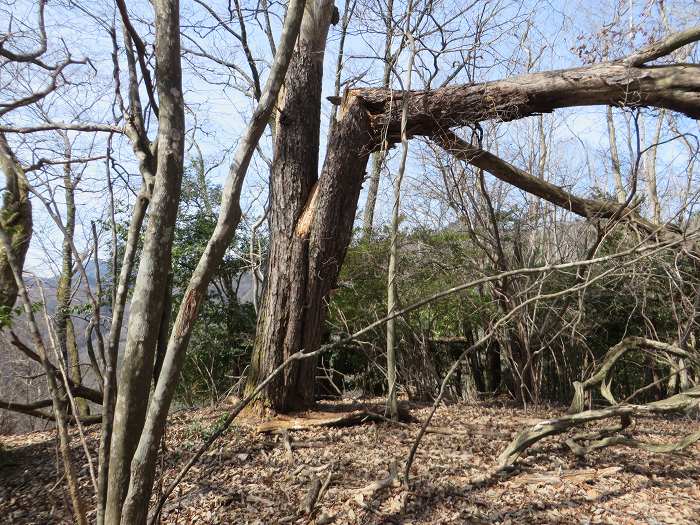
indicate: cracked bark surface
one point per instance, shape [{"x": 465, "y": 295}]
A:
[{"x": 366, "y": 115}]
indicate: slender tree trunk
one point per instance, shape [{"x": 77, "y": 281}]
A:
[
  {"x": 58, "y": 405},
  {"x": 144, "y": 460},
  {"x": 345, "y": 22},
  {"x": 145, "y": 152},
  {"x": 378, "y": 157},
  {"x": 148, "y": 297},
  {"x": 392, "y": 288},
  {"x": 65, "y": 330},
  {"x": 615, "y": 158},
  {"x": 282, "y": 327},
  {"x": 650, "y": 171}
]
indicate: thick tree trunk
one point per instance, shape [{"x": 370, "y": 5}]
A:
[
  {"x": 327, "y": 222},
  {"x": 282, "y": 324},
  {"x": 334, "y": 211}
]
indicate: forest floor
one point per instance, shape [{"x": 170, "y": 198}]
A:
[{"x": 250, "y": 478}]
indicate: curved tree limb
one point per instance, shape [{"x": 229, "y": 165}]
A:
[
  {"x": 602, "y": 374},
  {"x": 663, "y": 47},
  {"x": 678, "y": 403}
]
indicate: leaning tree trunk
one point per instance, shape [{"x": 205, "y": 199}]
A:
[
  {"x": 16, "y": 219},
  {"x": 283, "y": 328},
  {"x": 329, "y": 213}
]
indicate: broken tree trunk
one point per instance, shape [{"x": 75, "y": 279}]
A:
[
  {"x": 367, "y": 114},
  {"x": 283, "y": 328}
]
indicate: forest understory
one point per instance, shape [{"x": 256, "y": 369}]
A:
[
  {"x": 492, "y": 207},
  {"x": 252, "y": 478}
]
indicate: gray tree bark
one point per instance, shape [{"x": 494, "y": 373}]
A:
[
  {"x": 148, "y": 298},
  {"x": 135, "y": 505},
  {"x": 378, "y": 157}
]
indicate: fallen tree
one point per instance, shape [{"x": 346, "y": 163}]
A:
[{"x": 369, "y": 120}]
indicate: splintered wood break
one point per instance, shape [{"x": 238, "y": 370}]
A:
[
  {"x": 346, "y": 101},
  {"x": 318, "y": 419},
  {"x": 307, "y": 215}
]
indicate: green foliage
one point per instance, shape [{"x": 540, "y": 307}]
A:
[
  {"x": 429, "y": 262},
  {"x": 568, "y": 334},
  {"x": 196, "y": 432},
  {"x": 221, "y": 341},
  {"x": 8, "y": 315}
]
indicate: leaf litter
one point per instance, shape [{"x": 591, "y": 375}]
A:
[{"x": 352, "y": 474}]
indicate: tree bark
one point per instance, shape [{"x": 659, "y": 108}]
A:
[
  {"x": 148, "y": 297},
  {"x": 392, "y": 287},
  {"x": 144, "y": 459},
  {"x": 145, "y": 152},
  {"x": 378, "y": 157},
  {"x": 282, "y": 324},
  {"x": 16, "y": 219},
  {"x": 65, "y": 330},
  {"x": 615, "y": 158}
]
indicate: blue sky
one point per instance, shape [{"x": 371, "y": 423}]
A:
[{"x": 550, "y": 29}]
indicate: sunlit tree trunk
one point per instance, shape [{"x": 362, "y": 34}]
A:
[
  {"x": 143, "y": 463},
  {"x": 378, "y": 157},
  {"x": 65, "y": 331},
  {"x": 392, "y": 287},
  {"x": 615, "y": 158},
  {"x": 148, "y": 294},
  {"x": 283, "y": 325}
]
